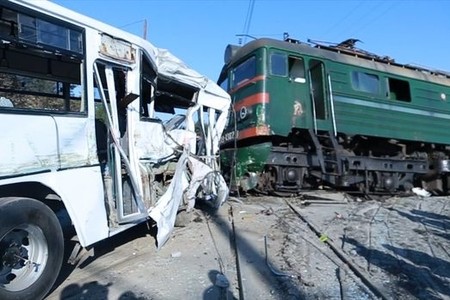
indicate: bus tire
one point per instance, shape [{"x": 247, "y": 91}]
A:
[{"x": 31, "y": 249}]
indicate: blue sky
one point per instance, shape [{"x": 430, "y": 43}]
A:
[{"x": 414, "y": 32}]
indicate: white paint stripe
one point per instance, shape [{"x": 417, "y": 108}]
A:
[{"x": 391, "y": 107}]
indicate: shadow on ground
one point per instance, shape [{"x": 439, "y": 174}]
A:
[
  {"x": 412, "y": 270},
  {"x": 101, "y": 248},
  {"x": 94, "y": 290}
]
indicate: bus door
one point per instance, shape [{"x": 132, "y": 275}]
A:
[
  {"x": 123, "y": 196},
  {"x": 321, "y": 98}
]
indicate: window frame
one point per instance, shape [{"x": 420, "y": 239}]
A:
[
  {"x": 248, "y": 62},
  {"x": 284, "y": 61},
  {"x": 16, "y": 75},
  {"x": 363, "y": 78},
  {"x": 399, "y": 89}
]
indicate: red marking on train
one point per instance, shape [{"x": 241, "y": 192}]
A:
[
  {"x": 258, "y": 98},
  {"x": 247, "y": 82},
  {"x": 253, "y": 131}
]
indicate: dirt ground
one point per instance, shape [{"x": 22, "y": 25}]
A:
[{"x": 260, "y": 248}]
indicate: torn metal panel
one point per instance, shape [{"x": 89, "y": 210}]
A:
[
  {"x": 117, "y": 48},
  {"x": 151, "y": 146},
  {"x": 165, "y": 211},
  {"x": 194, "y": 177},
  {"x": 190, "y": 174},
  {"x": 211, "y": 94},
  {"x": 160, "y": 151},
  {"x": 214, "y": 188}
]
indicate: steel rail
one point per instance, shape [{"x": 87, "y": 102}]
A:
[{"x": 365, "y": 278}]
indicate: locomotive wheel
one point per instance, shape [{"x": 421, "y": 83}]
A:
[{"x": 31, "y": 249}]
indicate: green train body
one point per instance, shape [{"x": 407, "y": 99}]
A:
[{"x": 306, "y": 116}]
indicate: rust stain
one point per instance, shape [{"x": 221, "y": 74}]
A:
[{"x": 298, "y": 108}]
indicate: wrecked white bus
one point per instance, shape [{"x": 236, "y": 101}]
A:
[{"x": 100, "y": 131}]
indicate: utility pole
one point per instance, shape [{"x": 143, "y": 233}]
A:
[{"x": 145, "y": 29}]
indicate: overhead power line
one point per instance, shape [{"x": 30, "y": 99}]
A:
[{"x": 248, "y": 20}]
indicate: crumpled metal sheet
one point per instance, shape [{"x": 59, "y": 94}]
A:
[
  {"x": 165, "y": 211},
  {"x": 182, "y": 189},
  {"x": 203, "y": 172}
]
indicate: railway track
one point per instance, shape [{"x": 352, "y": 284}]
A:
[
  {"x": 339, "y": 254},
  {"x": 312, "y": 249},
  {"x": 290, "y": 281}
]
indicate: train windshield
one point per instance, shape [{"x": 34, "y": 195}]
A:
[{"x": 244, "y": 71}]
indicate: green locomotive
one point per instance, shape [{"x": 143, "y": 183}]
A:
[{"x": 309, "y": 115}]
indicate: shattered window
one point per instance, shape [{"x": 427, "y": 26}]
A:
[
  {"x": 148, "y": 76},
  {"x": 37, "y": 80},
  {"x": 172, "y": 98},
  {"x": 24, "y": 92}
]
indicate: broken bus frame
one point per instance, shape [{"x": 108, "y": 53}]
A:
[{"x": 100, "y": 131}]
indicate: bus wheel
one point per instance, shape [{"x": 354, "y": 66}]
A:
[{"x": 31, "y": 248}]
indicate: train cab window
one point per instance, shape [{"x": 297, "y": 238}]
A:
[
  {"x": 293, "y": 67},
  {"x": 399, "y": 90},
  {"x": 224, "y": 84},
  {"x": 296, "y": 69},
  {"x": 278, "y": 64},
  {"x": 244, "y": 71},
  {"x": 365, "y": 82}
]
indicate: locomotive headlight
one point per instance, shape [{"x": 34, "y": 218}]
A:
[
  {"x": 291, "y": 175},
  {"x": 443, "y": 97}
]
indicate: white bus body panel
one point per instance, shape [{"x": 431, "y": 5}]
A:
[
  {"x": 65, "y": 143},
  {"x": 28, "y": 144},
  {"x": 35, "y": 143},
  {"x": 81, "y": 190}
]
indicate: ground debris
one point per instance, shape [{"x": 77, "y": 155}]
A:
[{"x": 401, "y": 243}]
